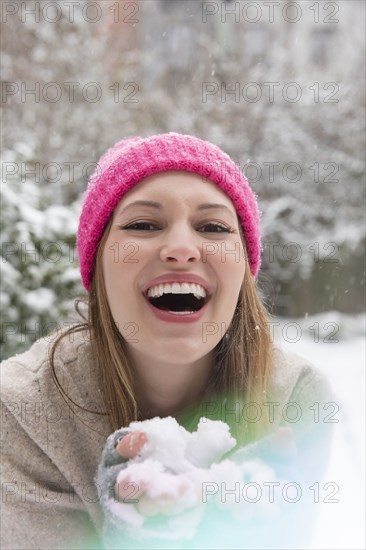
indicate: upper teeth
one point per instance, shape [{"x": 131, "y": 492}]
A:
[{"x": 176, "y": 288}]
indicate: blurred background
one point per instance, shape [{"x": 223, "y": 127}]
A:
[{"x": 278, "y": 85}]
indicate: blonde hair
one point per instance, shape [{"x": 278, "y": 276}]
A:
[{"x": 240, "y": 374}]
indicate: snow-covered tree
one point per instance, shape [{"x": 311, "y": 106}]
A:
[
  {"x": 72, "y": 88},
  {"x": 39, "y": 272}
]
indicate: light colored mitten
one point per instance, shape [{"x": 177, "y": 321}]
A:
[{"x": 111, "y": 463}]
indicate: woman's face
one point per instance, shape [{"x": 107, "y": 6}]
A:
[{"x": 171, "y": 231}]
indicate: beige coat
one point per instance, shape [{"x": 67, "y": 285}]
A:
[{"x": 50, "y": 451}]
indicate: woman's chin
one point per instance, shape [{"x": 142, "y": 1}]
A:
[{"x": 177, "y": 351}]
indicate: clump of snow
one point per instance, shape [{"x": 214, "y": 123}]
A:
[
  {"x": 179, "y": 472},
  {"x": 180, "y": 450}
]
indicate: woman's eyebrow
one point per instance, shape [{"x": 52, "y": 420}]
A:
[
  {"x": 207, "y": 206},
  {"x": 158, "y": 206},
  {"x": 151, "y": 204}
]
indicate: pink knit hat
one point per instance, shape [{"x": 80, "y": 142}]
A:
[{"x": 135, "y": 158}]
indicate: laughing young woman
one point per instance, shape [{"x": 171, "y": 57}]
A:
[{"x": 169, "y": 249}]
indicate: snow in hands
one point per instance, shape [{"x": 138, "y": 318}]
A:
[{"x": 173, "y": 476}]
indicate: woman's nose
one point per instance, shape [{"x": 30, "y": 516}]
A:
[{"x": 180, "y": 245}]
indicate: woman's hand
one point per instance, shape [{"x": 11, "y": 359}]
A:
[
  {"x": 131, "y": 444},
  {"x": 128, "y": 491},
  {"x": 129, "y": 447}
]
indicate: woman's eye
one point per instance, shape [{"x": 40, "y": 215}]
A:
[
  {"x": 141, "y": 226},
  {"x": 215, "y": 228},
  {"x": 148, "y": 226}
]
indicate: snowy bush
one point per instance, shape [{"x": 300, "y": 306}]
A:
[{"x": 40, "y": 277}]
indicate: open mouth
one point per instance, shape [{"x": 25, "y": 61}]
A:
[
  {"x": 179, "y": 303},
  {"x": 176, "y": 298}
]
